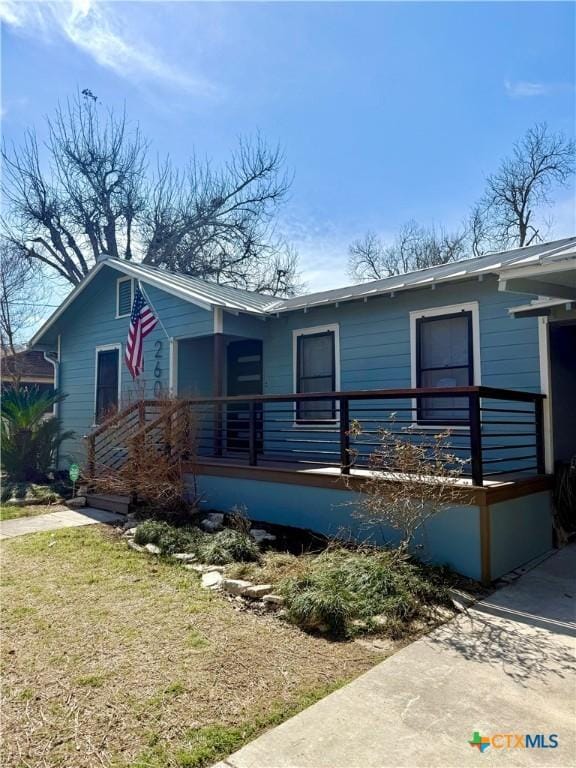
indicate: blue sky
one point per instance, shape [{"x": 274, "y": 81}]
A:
[{"x": 385, "y": 111}]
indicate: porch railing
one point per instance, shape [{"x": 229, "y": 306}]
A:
[{"x": 494, "y": 431}]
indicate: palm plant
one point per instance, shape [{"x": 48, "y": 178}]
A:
[{"x": 30, "y": 441}]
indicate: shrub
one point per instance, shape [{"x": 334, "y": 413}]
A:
[
  {"x": 30, "y": 440},
  {"x": 228, "y": 546},
  {"x": 344, "y": 590},
  {"x": 41, "y": 494},
  {"x": 320, "y": 602},
  {"x": 167, "y": 537},
  {"x": 411, "y": 480}
]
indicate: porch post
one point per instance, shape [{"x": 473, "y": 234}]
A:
[
  {"x": 475, "y": 438},
  {"x": 218, "y": 389}
]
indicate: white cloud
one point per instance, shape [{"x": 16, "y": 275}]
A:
[
  {"x": 322, "y": 247},
  {"x": 94, "y": 28},
  {"x": 518, "y": 89}
]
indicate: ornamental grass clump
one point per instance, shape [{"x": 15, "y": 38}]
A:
[
  {"x": 167, "y": 537},
  {"x": 346, "y": 592},
  {"x": 228, "y": 546}
]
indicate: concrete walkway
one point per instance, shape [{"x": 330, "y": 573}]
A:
[
  {"x": 505, "y": 668},
  {"x": 65, "y": 518}
]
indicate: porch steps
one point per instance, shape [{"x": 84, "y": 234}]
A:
[{"x": 111, "y": 503}]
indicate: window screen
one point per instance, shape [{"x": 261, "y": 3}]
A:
[
  {"x": 316, "y": 372},
  {"x": 124, "y": 298},
  {"x": 444, "y": 359},
  {"x": 106, "y": 384}
]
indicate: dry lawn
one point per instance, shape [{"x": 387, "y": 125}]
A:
[{"x": 111, "y": 658}]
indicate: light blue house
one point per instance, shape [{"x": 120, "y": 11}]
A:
[{"x": 485, "y": 347}]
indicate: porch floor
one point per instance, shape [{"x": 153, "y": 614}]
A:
[{"x": 498, "y": 488}]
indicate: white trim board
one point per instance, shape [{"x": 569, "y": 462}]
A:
[{"x": 546, "y": 389}]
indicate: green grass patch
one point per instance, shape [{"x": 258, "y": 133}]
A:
[
  {"x": 14, "y": 511},
  {"x": 205, "y": 746}
]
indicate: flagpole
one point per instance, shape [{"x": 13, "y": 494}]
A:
[{"x": 153, "y": 309}]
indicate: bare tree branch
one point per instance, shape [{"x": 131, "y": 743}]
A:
[
  {"x": 92, "y": 195},
  {"x": 414, "y": 247},
  {"x": 540, "y": 162}
]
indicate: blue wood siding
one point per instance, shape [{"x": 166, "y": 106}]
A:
[
  {"x": 375, "y": 353},
  {"x": 374, "y": 343},
  {"x": 90, "y": 322},
  {"x": 375, "y": 338}
]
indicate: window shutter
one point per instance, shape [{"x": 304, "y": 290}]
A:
[{"x": 124, "y": 297}]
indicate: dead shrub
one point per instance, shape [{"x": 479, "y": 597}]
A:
[
  {"x": 153, "y": 472},
  {"x": 410, "y": 481}
]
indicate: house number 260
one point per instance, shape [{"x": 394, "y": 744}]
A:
[{"x": 158, "y": 368}]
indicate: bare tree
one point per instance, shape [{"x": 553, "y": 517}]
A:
[
  {"x": 92, "y": 194},
  {"x": 540, "y": 162},
  {"x": 20, "y": 295},
  {"x": 414, "y": 247}
]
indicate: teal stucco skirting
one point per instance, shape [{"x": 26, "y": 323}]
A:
[
  {"x": 519, "y": 529},
  {"x": 451, "y": 538}
]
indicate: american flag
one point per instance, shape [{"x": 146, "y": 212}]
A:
[{"x": 142, "y": 322}]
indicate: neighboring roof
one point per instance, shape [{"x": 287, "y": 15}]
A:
[
  {"x": 29, "y": 364},
  {"x": 209, "y": 295},
  {"x": 455, "y": 270}
]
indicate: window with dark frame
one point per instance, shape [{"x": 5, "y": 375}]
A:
[
  {"x": 107, "y": 372},
  {"x": 316, "y": 372},
  {"x": 444, "y": 359}
]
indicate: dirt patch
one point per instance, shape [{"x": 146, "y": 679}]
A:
[{"x": 112, "y": 658}]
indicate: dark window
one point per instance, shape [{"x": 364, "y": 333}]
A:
[
  {"x": 444, "y": 358},
  {"x": 316, "y": 372},
  {"x": 124, "y": 298},
  {"x": 106, "y": 384}
]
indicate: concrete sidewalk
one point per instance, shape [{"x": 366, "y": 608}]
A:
[
  {"x": 506, "y": 667},
  {"x": 65, "y": 518}
]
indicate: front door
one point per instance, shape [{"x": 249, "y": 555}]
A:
[{"x": 244, "y": 377}]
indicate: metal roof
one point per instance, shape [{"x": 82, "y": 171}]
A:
[
  {"x": 208, "y": 295},
  {"x": 194, "y": 288},
  {"x": 455, "y": 270}
]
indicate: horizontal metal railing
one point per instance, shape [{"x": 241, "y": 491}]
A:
[{"x": 493, "y": 431}]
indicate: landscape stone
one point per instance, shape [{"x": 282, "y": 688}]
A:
[
  {"x": 258, "y": 591},
  {"x": 185, "y": 557},
  {"x": 76, "y": 502},
  {"x": 211, "y": 526},
  {"x": 137, "y": 547},
  {"x": 153, "y": 549},
  {"x": 212, "y": 580},
  {"x": 235, "y": 586},
  {"x": 272, "y": 600},
  {"x": 259, "y": 535}
]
